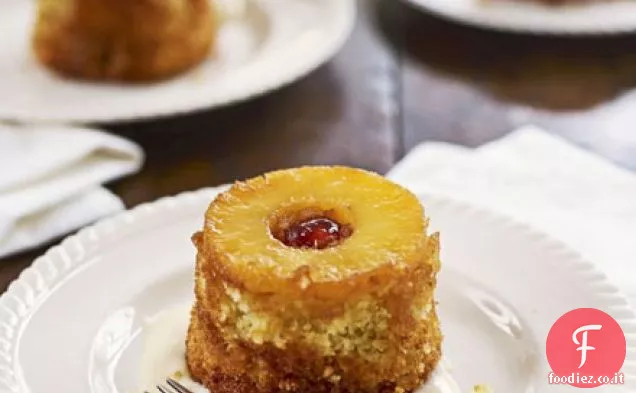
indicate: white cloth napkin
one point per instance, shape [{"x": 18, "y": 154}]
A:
[
  {"x": 50, "y": 181},
  {"x": 540, "y": 179}
]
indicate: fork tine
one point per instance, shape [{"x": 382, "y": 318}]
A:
[
  {"x": 163, "y": 390},
  {"x": 177, "y": 386}
]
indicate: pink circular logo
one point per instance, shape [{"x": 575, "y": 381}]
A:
[{"x": 586, "y": 348}]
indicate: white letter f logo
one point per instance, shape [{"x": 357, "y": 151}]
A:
[{"x": 584, "y": 347}]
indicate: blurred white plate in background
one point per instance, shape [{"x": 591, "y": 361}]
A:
[
  {"x": 587, "y": 18},
  {"x": 267, "y": 44}
]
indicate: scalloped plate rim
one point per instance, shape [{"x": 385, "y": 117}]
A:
[{"x": 93, "y": 235}]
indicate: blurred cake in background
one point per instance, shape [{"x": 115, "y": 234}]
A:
[{"x": 123, "y": 40}]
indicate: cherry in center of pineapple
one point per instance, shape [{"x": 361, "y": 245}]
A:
[{"x": 317, "y": 233}]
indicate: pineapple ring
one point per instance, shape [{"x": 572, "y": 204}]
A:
[{"x": 241, "y": 247}]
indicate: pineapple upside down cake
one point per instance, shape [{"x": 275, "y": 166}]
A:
[
  {"x": 123, "y": 40},
  {"x": 317, "y": 279}
]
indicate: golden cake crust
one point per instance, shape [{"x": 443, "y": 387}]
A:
[{"x": 249, "y": 368}]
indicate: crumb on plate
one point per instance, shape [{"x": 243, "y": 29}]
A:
[{"x": 482, "y": 388}]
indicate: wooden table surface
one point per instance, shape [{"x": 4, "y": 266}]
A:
[{"x": 403, "y": 78}]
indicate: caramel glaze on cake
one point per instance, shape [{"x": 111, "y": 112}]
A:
[{"x": 275, "y": 315}]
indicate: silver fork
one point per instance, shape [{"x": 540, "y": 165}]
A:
[{"x": 173, "y": 387}]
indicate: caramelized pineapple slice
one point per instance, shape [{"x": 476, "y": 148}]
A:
[{"x": 376, "y": 226}]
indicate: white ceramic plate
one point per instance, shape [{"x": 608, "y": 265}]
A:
[
  {"x": 75, "y": 322},
  {"x": 593, "y": 17},
  {"x": 267, "y": 44}
]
